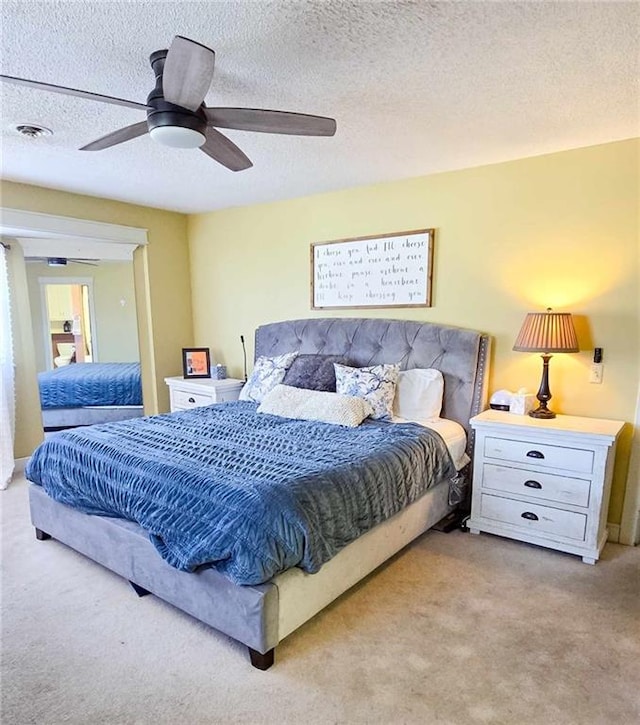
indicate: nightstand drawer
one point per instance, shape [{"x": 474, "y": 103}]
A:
[
  {"x": 538, "y": 485},
  {"x": 534, "y": 518},
  {"x": 540, "y": 454},
  {"x": 184, "y": 400}
]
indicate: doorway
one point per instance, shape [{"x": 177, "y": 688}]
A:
[{"x": 68, "y": 321}]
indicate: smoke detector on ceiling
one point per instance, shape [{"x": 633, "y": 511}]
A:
[{"x": 31, "y": 130}]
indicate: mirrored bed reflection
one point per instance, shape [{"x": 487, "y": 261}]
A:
[{"x": 85, "y": 341}]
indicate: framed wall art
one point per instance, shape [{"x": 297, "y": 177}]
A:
[{"x": 386, "y": 270}]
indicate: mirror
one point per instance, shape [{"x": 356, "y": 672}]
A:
[{"x": 85, "y": 334}]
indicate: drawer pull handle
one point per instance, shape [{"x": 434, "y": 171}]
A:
[
  {"x": 529, "y": 515},
  {"x": 532, "y": 484},
  {"x": 192, "y": 400},
  {"x": 535, "y": 454}
]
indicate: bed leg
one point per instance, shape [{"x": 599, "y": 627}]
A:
[
  {"x": 42, "y": 535},
  {"x": 140, "y": 591},
  {"x": 262, "y": 661}
]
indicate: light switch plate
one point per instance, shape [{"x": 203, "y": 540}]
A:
[{"x": 595, "y": 373}]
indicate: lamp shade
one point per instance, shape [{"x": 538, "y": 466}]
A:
[{"x": 547, "y": 332}]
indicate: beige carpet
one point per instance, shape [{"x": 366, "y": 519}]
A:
[{"x": 456, "y": 629}]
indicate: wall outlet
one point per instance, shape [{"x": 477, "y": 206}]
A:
[{"x": 595, "y": 373}]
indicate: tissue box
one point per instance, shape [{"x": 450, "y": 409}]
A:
[
  {"x": 219, "y": 372},
  {"x": 522, "y": 403}
]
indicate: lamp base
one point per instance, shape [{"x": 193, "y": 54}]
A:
[
  {"x": 542, "y": 413},
  {"x": 544, "y": 394}
]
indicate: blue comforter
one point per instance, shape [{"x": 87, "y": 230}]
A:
[
  {"x": 253, "y": 494},
  {"x": 82, "y": 384}
]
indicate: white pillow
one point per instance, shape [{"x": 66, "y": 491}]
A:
[
  {"x": 419, "y": 394},
  {"x": 303, "y": 404},
  {"x": 376, "y": 384},
  {"x": 267, "y": 373}
]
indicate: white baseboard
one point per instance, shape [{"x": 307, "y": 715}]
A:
[{"x": 614, "y": 533}]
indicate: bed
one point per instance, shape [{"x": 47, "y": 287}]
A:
[
  {"x": 82, "y": 394},
  {"x": 262, "y": 614}
]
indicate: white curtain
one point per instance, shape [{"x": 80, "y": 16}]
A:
[{"x": 7, "y": 388}]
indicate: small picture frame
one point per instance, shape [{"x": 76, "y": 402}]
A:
[{"x": 196, "y": 362}]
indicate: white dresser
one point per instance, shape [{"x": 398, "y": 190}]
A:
[
  {"x": 193, "y": 393},
  {"x": 546, "y": 482}
]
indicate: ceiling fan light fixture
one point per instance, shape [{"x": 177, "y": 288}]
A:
[{"x": 178, "y": 137}]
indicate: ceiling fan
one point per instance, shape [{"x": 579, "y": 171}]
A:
[{"x": 177, "y": 116}]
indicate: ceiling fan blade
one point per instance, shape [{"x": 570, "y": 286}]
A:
[
  {"x": 120, "y": 136},
  {"x": 264, "y": 121},
  {"x": 188, "y": 71},
  {"x": 73, "y": 92},
  {"x": 224, "y": 151}
]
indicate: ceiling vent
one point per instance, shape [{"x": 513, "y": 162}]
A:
[{"x": 32, "y": 131}]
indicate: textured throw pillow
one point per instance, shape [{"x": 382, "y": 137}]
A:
[
  {"x": 419, "y": 394},
  {"x": 376, "y": 384},
  {"x": 301, "y": 404},
  {"x": 267, "y": 373},
  {"x": 314, "y": 372}
]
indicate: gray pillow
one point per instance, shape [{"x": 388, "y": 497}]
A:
[{"x": 313, "y": 372}]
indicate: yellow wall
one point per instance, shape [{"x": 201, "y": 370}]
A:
[
  {"x": 559, "y": 230},
  {"x": 163, "y": 297}
]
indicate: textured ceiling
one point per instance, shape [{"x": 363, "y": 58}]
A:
[{"x": 416, "y": 88}]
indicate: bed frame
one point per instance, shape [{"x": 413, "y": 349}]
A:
[
  {"x": 262, "y": 616},
  {"x": 55, "y": 419}
]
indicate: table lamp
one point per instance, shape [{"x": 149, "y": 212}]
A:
[{"x": 546, "y": 332}]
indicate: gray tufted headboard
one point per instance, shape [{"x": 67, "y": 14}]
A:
[{"x": 461, "y": 355}]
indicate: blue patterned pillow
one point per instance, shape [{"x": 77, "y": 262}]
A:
[
  {"x": 267, "y": 373},
  {"x": 314, "y": 372},
  {"x": 376, "y": 384}
]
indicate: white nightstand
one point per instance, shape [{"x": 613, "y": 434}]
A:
[
  {"x": 544, "y": 481},
  {"x": 193, "y": 393}
]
